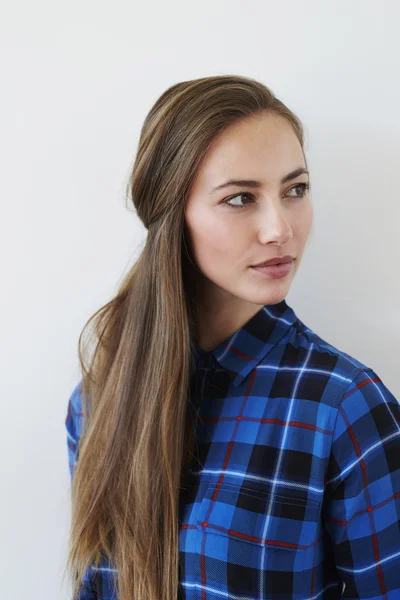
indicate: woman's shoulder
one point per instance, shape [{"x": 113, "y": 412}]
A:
[
  {"x": 339, "y": 357},
  {"x": 73, "y": 425},
  {"x": 343, "y": 372},
  {"x": 73, "y": 419}
]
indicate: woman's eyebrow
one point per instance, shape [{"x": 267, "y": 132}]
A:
[{"x": 256, "y": 184}]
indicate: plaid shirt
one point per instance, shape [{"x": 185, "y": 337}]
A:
[{"x": 294, "y": 491}]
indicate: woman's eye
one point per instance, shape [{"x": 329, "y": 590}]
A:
[
  {"x": 242, "y": 194},
  {"x": 302, "y": 186}
]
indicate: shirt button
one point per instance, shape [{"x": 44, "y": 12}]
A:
[{"x": 205, "y": 523}]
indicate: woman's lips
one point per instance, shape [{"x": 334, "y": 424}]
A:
[{"x": 275, "y": 271}]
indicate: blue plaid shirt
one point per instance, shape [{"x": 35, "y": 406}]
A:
[{"x": 294, "y": 491}]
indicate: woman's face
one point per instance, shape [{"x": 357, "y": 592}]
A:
[{"x": 259, "y": 222}]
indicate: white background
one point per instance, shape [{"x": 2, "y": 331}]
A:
[{"x": 77, "y": 80}]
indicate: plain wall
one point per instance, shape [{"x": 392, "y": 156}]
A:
[{"x": 78, "y": 79}]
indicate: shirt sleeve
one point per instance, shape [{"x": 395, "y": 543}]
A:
[
  {"x": 361, "y": 507},
  {"x": 73, "y": 424}
]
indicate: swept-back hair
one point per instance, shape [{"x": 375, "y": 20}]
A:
[{"x": 137, "y": 439}]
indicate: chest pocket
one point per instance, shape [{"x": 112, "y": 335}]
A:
[{"x": 252, "y": 547}]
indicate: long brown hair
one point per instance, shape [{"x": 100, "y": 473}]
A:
[{"x": 137, "y": 438}]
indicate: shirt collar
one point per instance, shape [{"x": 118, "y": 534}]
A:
[{"x": 245, "y": 348}]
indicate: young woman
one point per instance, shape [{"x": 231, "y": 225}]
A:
[{"x": 225, "y": 449}]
